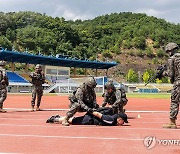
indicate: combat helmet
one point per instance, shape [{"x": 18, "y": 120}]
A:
[
  {"x": 2, "y": 63},
  {"x": 109, "y": 85},
  {"x": 171, "y": 46},
  {"x": 38, "y": 67},
  {"x": 91, "y": 82}
]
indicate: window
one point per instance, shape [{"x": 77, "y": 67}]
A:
[
  {"x": 51, "y": 71},
  {"x": 63, "y": 72}
]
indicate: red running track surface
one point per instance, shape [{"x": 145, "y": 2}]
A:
[{"x": 22, "y": 131}]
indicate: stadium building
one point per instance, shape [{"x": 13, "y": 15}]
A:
[{"x": 56, "y": 69}]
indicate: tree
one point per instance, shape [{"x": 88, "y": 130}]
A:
[
  {"x": 5, "y": 43},
  {"x": 146, "y": 76},
  {"x": 139, "y": 42},
  {"x": 132, "y": 76}
]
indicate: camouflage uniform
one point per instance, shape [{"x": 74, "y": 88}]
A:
[
  {"x": 173, "y": 72},
  {"x": 4, "y": 82},
  {"x": 83, "y": 100},
  {"x": 117, "y": 98},
  {"x": 38, "y": 79}
]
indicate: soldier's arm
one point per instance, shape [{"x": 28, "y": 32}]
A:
[
  {"x": 43, "y": 77},
  {"x": 79, "y": 96},
  {"x": 105, "y": 100},
  {"x": 118, "y": 99},
  {"x": 5, "y": 80},
  {"x": 31, "y": 75},
  {"x": 170, "y": 69},
  {"x": 95, "y": 104}
]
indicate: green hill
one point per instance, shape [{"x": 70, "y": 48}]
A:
[{"x": 133, "y": 40}]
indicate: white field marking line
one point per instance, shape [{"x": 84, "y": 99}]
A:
[
  {"x": 19, "y": 119},
  {"x": 151, "y": 122},
  {"x": 22, "y": 115},
  {"x": 23, "y": 109},
  {"x": 73, "y": 137},
  {"x": 144, "y": 118},
  {"x": 130, "y": 111},
  {"x": 44, "y": 119},
  {"x": 87, "y": 127},
  {"x": 8, "y": 153},
  {"x": 147, "y": 111}
]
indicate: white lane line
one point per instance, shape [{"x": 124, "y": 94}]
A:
[
  {"x": 45, "y": 119},
  {"x": 131, "y": 111},
  {"x": 128, "y": 111},
  {"x": 72, "y": 137},
  {"x": 23, "y": 109},
  {"x": 21, "y": 119},
  {"x": 88, "y": 127}
]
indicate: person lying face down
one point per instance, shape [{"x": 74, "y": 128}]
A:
[{"x": 94, "y": 118}]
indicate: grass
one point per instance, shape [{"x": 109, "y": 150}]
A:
[
  {"x": 129, "y": 95},
  {"x": 151, "y": 95}
]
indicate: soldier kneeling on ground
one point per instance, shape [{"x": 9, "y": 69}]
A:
[
  {"x": 93, "y": 118},
  {"x": 114, "y": 98},
  {"x": 82, "y": 100}
]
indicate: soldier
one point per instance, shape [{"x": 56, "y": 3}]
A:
[
  {"x": 82, "y": 100},
  {"x": 173, "y": 72},
  {"x": 114, "y": 98},
  {"x": 38, "y": 79},
  {"x": 4, "y": 82}
]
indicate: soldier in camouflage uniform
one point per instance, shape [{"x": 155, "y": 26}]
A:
[
  {"x": 173, "y": 72},
  {"x": 38, "y": 79},
  {"x": 83, "y": 100},
  {"x": 3, "y": 85},
  {"x": 114, "y": 98}
]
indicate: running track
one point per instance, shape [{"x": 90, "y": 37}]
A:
[{"x": 22, "y": 131}]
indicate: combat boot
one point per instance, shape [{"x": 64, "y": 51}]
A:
[
  {"x": 3, "y": 111},
  {"x": 65, "y": 121},
  {"x": 38, "y": 109},
  {"x": 32, "y": 109},
  {"x": 171, "y": 125}
]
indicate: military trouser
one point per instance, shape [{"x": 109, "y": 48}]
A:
[
  {"x": 175, "y": 99},
  {"x": 120, "y": 108},
  {"x": 74, "y": 107},
  {"x": 3, "y": 96},
  {"x": 37, "y": 91}
]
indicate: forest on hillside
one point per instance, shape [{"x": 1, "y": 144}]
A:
[{"x": 102, "y": 38}]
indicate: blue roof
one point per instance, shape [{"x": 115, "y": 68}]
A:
[{"x": 23, "y": 57}]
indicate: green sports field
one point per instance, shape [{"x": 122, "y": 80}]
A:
[{"x": 142, "y": 95}]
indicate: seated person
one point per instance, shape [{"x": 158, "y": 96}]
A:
[{"x": 94, "y": 118}]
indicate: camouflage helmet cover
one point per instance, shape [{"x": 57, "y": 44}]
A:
[
  {"x": 109, "y": 85},
  {"x": 91, "y": 82},
  {"x": 38, "y": 67},
  {"x": 2, "y": 63},
  {"x": 171, "y": 46}
]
